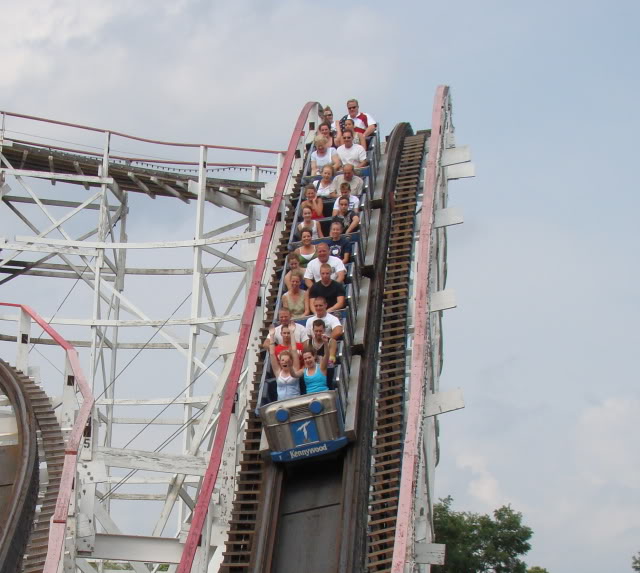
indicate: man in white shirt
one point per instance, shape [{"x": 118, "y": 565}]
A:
[
  {"x": 363, "y": 122},
  {"x": 352, "y": 153},
  {"x": 348, "y": 175},
  {"x": 312, "y": 274},
  {"x": 332, "y": 326},
  {"x": 300, "y": 332}
]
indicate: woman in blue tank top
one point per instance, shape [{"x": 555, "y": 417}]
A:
[{"x": 315, "y": 373}]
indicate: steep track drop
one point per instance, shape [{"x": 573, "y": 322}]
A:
[{"x": 389, "y": 429}]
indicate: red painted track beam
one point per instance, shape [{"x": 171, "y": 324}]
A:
[
  {"x": 202, "y": 503},
  {"x": 420, "y": 340}
]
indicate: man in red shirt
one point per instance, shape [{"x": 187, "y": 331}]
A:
[{"x": 363, "y": 122}]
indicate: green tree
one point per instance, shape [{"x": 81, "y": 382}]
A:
[
  {"x": 537, "y": 569},
  {"x": 481, "y": 543},
  {"x": 635, "y": 562}
]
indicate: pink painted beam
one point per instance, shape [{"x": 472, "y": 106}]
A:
[
  {"x": 59, "y": 519},
  {"x": 135, "y": 137},
  {"x": 202, "y": 503},
  {"x": 421, "y": 341}
]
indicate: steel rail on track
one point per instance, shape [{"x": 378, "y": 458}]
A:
[
  {"x": 59, "y": 520},
  {"x": 231, "y": 386}
]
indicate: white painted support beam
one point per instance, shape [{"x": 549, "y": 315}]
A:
[
  {"x": 132, "y": 323},
  {"x": 57, "y": 176},
  {"x": 447, "y": 217},
  {"x": 54, "y": 202},
  {"x": 443, "y": 402},
  {"x": 194, "y": 400},
  {"x": 111, "y": 528},
  {"x": 137, "y": 548},
  {"x": 154, "y": 245},
  {"x": 460, "y": 171},
  {"x": 455, "y": 155},
  {"x": 79, "y": 171},
  {"x": 430, "y": 553},
  {"x": 31, "y": 248},
  {"x": 442, "y": 300},
  {"x": 140, "y": 184},
  {"x": 169, "y": 190},
  {"x": 156, "y": 421},
  {"x": 153, "y": 461}
]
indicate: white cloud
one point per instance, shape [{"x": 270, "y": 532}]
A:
[{"x": 483, "y": 486}]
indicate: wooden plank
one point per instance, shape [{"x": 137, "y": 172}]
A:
[
  {"x": 153, "y": 461},
  {"x": 447, "y": 217},
  {"x": 460, "y": 171},
  {"x": 442, "y": 402},
  {"x": 430, "y": 553},
  {"x": 455, "y": 155},
  {"x": 57, "y": 176},
  {"x": 442, "y": 300}
]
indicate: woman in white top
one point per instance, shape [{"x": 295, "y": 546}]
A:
[
  {"x": 284, "y": 366},
  {"x": 323, "y": 155},
  {"x": 325, "y": 185},
  {"x": 309, "y": 223},
  {"x": 307, "y": 251},
  {"x": 357, "y": 137}
]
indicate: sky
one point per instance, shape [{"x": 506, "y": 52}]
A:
[{"x": 542, "y": 341}]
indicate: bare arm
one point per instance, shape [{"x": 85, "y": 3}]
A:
[
  {"x": 296, "y": 371},
  {"x": 370, "y": 129},
  {"x": 314, "y": 167},
  {"x": 287, "y": 280},
  {"x": 324, "y": 361},
  {"x": 340, "y": 276},
  {"x": 355, "y": 223},
  {"x": 307, "y": 307},
  {"x": 337, "y": 164},
  {"x": 339, "y": 304},
  {"x": 275, "y": 366},
  {"x": 337, "y": 332},
  {"x": 319, "y": 206},
  {"x": 319, "y": 229}
]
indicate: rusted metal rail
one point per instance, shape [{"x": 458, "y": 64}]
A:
[{"x": 389, "y": 427}]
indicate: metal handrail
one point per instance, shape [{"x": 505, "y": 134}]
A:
[{"x": 134, "y": 137}]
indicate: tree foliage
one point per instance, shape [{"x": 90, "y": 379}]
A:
[
  {"x": 635, "y": 562},
  {"x": 481, "y": 543},
  {"x": 537, "y": 569}
]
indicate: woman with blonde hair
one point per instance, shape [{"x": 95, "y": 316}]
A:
[
  {"x": 323, "y": 155},
  {"x": 325, "y": 186},
  {"x": 296, "y": 300}
]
